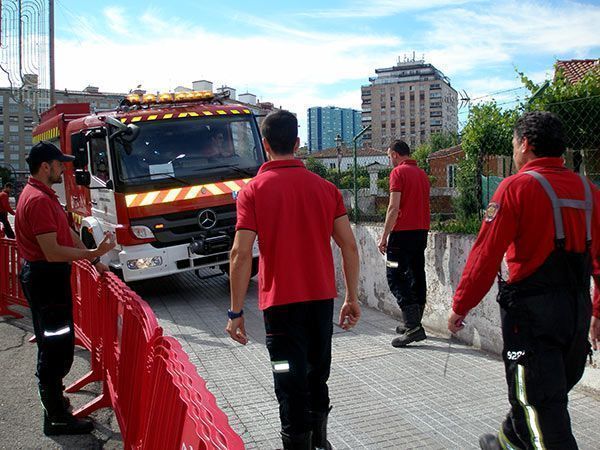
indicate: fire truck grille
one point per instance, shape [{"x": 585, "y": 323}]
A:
[{"x": 182, "y": 227}]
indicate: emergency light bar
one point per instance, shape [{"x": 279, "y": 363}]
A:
[{"x": 167, "y": 97}]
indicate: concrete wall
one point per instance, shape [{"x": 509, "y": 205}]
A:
[{"x": 445, "y": 259}]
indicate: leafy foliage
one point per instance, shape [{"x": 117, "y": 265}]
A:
[
  {"x": 437, "y": 141},
  {"x": 578, "y": 106},
  {"x": 5, "y": 175},
  {"x": 489, "y": 131},
  {"x": 316, "y": 166}
]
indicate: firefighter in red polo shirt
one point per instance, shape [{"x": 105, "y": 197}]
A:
[
  {"x": 5, "y": 210},
  {"x": 47, "y": 244},
  {"x": 294, "y": 213},
  {"x": 547, "y": 221},
  {"x": 404, "y": 240}
]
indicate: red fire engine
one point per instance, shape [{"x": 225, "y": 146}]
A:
[{"x": 162, "y": 172}]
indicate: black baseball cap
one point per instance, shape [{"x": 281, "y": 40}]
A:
[{"x": 45, "y": 151}]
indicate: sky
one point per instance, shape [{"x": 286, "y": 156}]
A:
[{"x": 317, "y": 53}]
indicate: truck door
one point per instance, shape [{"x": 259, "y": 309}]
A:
[{"x": 102, "y": 198}]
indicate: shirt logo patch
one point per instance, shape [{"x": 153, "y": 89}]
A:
[{"x": 491, "y": 211}]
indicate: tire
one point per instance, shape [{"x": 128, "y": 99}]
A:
[{"x": 87, "y": 239}]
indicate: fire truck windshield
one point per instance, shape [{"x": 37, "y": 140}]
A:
[{"x": 190, "y": 151}]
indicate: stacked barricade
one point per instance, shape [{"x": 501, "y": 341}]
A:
[
  {"x": 158, "y": 397},
  {"x": 188, "y": 407},
  {"x": 10, "y": 287}
]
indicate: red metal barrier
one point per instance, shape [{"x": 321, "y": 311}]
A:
[
  {"x": 159, "y": 399},
  {"x": 10, "y": 287},
  {"x": 85, "y": 285}
]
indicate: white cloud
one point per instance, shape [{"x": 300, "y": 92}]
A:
[
  {"x": 466, "y": 40},
  {"x": 116, "y": 20},
  {"x": 296, "y": 67},
  {"x": 381, "y": 8}
]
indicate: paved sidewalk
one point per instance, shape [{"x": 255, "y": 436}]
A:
[
  {"x": 20, "y": 409},
  {"x": 437, "y": 395}
]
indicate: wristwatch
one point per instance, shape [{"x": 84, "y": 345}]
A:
[{"x": 233, "y": 315}]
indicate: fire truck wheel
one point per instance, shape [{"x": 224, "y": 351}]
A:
[
  {"x": 225, "y": 268},
  {"x": 87, "y": 239}
]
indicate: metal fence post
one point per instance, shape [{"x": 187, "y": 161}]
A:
[{"x": 355, "y": 171}]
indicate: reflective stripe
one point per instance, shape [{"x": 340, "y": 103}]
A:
[
  {"x": 59, "y": 332},
  {"x": 530, "y": 412},
  {"x": 233, "y": 186},
  {"x": 391, "y": 264},
  {"x": 557, "y": 203},
  {"x": 149, "y": 198},
  {"x": 504, "y": 442},
  {"x": 214, "y": 189},
  {"x": 186, "y": 193},
  {"x": 280, "y": 366},
  {"x": 172, "y": 195},
  {"x": 193, "y": 192}
]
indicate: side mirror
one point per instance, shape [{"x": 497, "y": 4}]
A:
[
  {"x": 83, "y": 178},
  {"x": 127, "y": 133},
  {"x": 79, "y": 150}
]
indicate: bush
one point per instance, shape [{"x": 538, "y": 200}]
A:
[{"x": 456, "y": 226}]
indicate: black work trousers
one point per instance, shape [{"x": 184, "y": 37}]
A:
[
  {"x": 545, "y": 325},
  {"x": 47, "y": 287},
  {"x": 405, "y": 266},
  {"x": 299, "y": 344},
  {"x": 6, "y": 225}
]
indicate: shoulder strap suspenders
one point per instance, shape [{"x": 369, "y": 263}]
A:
[{"x": 558, "y": 203}]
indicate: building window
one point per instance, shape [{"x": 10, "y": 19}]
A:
[
  {"x": 451, "y": 175},
  {"x": 332, "y": 165}
]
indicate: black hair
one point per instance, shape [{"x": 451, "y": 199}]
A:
[
  {"x": 400, "y": 147},
  {"x": 8, "y": 185},
  {"x": 34, "y": 166},
  {"x": 544, "y": 132},
  {"x": 280, "y": 129}
]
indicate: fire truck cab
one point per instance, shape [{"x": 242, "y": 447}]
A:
[{"x": 162, "y": 172}]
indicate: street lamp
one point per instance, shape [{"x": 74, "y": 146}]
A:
[{"x": 338, "y": 146}]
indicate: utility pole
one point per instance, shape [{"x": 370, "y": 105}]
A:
[{"x": 51, "y": 52}]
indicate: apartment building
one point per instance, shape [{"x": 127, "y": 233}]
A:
[
  {"x": 408, "y": 101},
  {"x": 326, "y": 123},
  {"x": 18, "y": 118}
]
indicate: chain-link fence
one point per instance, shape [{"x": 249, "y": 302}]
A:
[
  {"x": 581, "y": 120},
  {"x": 465, "y": 177}
]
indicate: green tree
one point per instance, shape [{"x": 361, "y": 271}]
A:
[
  {"x": 437, "y": 141},
  {"x": 316, "y": 166},
  {"x": 578, "y": 106},
  {"x": 489, "y": 131},
  {"x": 5, "y": 175}
]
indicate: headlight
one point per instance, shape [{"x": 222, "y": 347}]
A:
[
  {"x": 142, "y": 232},
  {"x": 144, "y": 263}
]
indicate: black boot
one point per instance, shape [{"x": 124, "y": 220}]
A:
[
  {"x": 401, "y": 329},
  {"x": 302, "y": 441},
  {"x": 414, "y": 332},
  {"x": 489, "y": 442},
  {"x": 57, "y": 419},
  {"x": 319, "y": 430},
  {"x": 66, "y": 401}
]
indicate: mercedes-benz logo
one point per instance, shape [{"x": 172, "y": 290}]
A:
[{"x": 207, "y": 219}]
